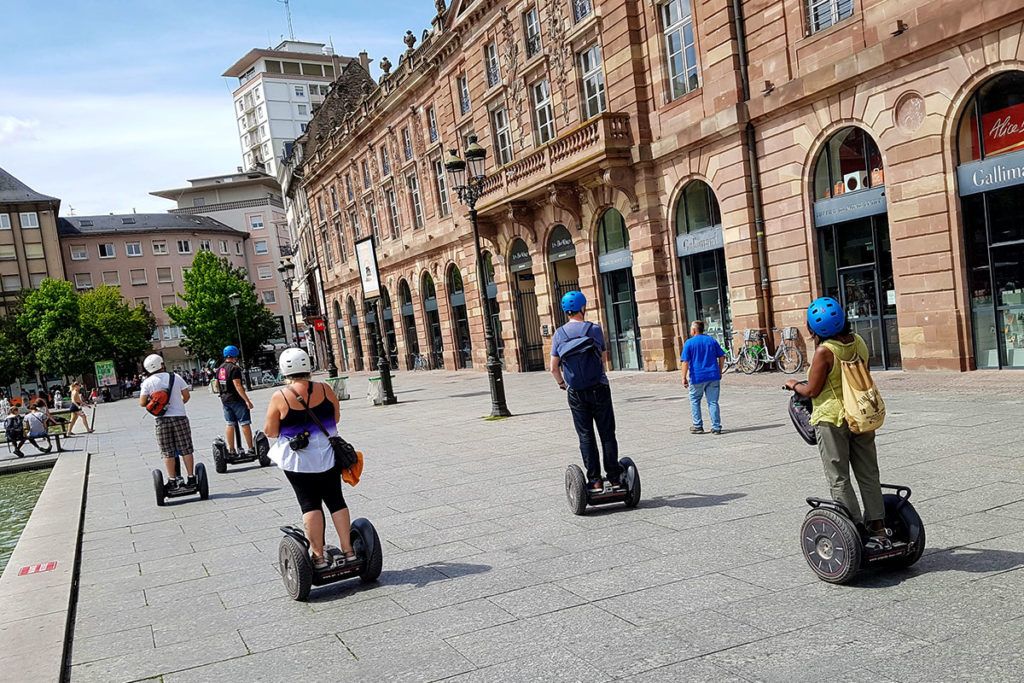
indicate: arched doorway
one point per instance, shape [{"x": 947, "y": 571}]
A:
[
  {"x": 408, "y": 324},
  {"x": 390, "y": 337},
  {"x": 460, "y": 318},
  {"x": 564, "y": 272},
  {"x": 991, "y": 186},
  {"x": 531, "y": 343},
  {"x": 700, "y": 246},
  {"x": 853, "y": 240},
  {"x": 373, "y": 330},
  {"x": 339, "y": 323},
  {"x": 357, "y": 342},
  {"x": 434, "y": 337},
  {"x": 492, "y": 304},
  {"x": 615, "y": 262}
]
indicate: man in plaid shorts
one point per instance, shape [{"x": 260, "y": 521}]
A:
[{"x": 173, "y": 433}]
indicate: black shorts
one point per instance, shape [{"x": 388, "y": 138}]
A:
[{"x": 316, "y": 489}]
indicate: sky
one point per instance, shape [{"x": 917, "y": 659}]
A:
[{"x": 103, "y": 102}]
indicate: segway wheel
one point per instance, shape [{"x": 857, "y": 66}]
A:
[
  {"x": 632, "y": 475},
  {"x": 219, "y": 462},
  {"x": 262, "y": 448},
  {"x": 576, "y": 489},
  {"x": 831, "y": 545},
  {"x": 296, "y": 568},
  {"x": 366, "y": 543},
  {"x": 158, "y": 487},
  {"x": 202, "y": 482},
  {"x": 906, "y": 525}
]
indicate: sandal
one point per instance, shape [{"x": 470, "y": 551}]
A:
[{"x": 320, "y": 562}]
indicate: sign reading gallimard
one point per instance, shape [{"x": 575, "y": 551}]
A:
[
  {"x": 850, "y": 206},
  {"x": 994, "y": 173},
  {"x": 369, "y": 275},
  {"x": 705, "y": 239}
]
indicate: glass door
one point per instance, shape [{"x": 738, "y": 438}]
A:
[
  {"x": 707, "y": 295},
  {"x": 859, "y": 298},
  {"x": 624, "y": 331}
]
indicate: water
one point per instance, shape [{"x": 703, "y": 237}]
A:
[{"x": 18, "y": 495}]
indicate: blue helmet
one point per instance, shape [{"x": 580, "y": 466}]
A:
[
  {"x": 231, "y": 351},
  {"x": 825, "y": 317},
  {"x": 573, "y": 302}
]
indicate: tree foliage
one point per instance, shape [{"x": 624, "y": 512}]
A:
[
  {"x": 16, "y": 358},
  {"x": 208, "y": 321},
  {"x": 117, "y": 330}
]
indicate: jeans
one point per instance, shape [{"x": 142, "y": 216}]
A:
[
  {"x": 236, "y": 412},
  {"x": 711, "y": 390},
  {"x": 840, "y": 450},
  {"x": 590, "y": 406}
]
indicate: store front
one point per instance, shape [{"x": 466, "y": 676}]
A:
[
  {"x": 460, "y": 318},
  {"x": 565, "y": 274},
  {"x": 339, "y": 325},
  {"x": 390, "y": 335},
  {"x": 370, "y": 317},
  {"x": 434, "y": 337},
  {"x": 850, "y": 218},
  {"x": 531, "y": 343},
  {"x": 357, "y": 342},
  {"x": 991, "y": 186},
  {"x": 492, "y": 304},
  {"x": 700, "y": 246},
  {"x": 412, "y": 343},
  {"x": 615, "y": 263}
]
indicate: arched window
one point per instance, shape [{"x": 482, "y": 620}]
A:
[
  {"x": 460, "y": 317},
  {"x": 429, "y": 290},
  {"x": 455, "y": 281},
  {"x": 404, "y": 293},
  {"x": 611, "y": 233},
  {"x": 697, "y": 208},
  {"x": 849, "y": 162},
  {"x": 993, "y": 122}
]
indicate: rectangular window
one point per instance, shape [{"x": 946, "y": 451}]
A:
[
  {"x": 348, "y": 187},
  {"x": 34, "y": 250},
  {"x": 133, "y": 248},
  {"x": 7, "y": 252},
  {"x": 328, "y": 252},
  {"x": 443, "y": 207},
  {"x": 502, "y": 135},
  {"x": 371, "y": 213},
  {"x": 112, "y": 278},
  {"x": 822, "y": 14},
  {"x": 184, "y": 246},
  {"x": 159, "y": 247},
  {"x": 414, "y": 199},
  {"x": 339, "y": 231},
  {"x": 303, "y": 110},
  {"x": 531, "y": 29},
  {"x": 106, "y": 250},
  {"x": 592, "y": 82},
  {"x": 303, "y": 127},
  {"x": 238, "y": 248},
  {"x": 264, "y": 272},
  {"x": 256, "y": 221},
  {"x": 406, "y": 144},
  {"x": 300, "y": 91},
  {"x": 269, "y": 296},
  {"x": 29, "y": 219},
  {"x": 366, "y": 175},
  {"x": 200, "y": 201},
  {"x": 491, "y": 65},
  {"x": 138, "y": 276},
  {"x": 260, "y": 247},
  {"x": 166, "y": 301},
  {"x": 463, "y": 87},
  {"x": 320, "y": 208},
  {"x": 396, "y": 228},
  {"x": 79, "y": 252},
  {"x": 353, "y": 219},
  {"x": 543, "y": 115},
  {"x": 82, "y": 281},
  {"x": 334, "y": 198},
  {"x": 385, "y": 161},
  {"x": 204, "y": 245},
  {"x": 164, "y": 275},
  {"x": 36, "y": 279},
  {"x": 223, "y": 246},
  {"x": 432, "y": 124},
  {"x": 12, "y": 283},
  {"x": 581, "y": 9},
  {"x": 680, "y": 49},
  {"x": 184, "y": 273},
  {"x": 5, "y": 221}
]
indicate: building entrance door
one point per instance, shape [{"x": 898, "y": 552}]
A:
[
  {"x": 624, "y": 329},
  {"x": 707, "y": 293},
  {"x": 858, "y": 295},
  {"x": 531, "y": 343}
]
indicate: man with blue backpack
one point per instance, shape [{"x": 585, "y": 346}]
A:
[{"x": 577, "y": 364}]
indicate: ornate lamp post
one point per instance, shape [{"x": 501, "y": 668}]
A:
[
  {"x": 287, "y": 270},
  {"x": 236, "y": 301},
  {"x": 469, "y": 187}
]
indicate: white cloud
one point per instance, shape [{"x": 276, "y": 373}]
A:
[{"x": 13, "y": 129}]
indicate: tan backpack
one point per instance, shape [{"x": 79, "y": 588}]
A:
[{"x": 863, "y": 405}]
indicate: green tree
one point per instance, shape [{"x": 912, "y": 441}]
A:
[
  {"x": 117, "y": 330},
  {"x": 16, "y": 358},
  {"x": 51, "y": 319},
  {"x": 208, "y": 321}
]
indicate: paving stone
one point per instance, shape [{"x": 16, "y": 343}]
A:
[
  {"x": 310, "y": 660},
  {"x": 556, "y": 665},
  {"x": 112, "y": 644},
  {"x": 161, "y": 660}
]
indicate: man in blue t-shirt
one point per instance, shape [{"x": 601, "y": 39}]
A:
[
  {"x": 702, "y": 360},
  {"x": 589, "y": 405}
]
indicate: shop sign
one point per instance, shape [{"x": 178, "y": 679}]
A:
[
  {"x": 992, "y": 173},
  {"x": 619, "y": 259},
  {"x": 318, "y": 324},
  {"x": 850, "y": 206},
  {"x": 560, "y": 246},
  {"x": 1002, "y": 130},
  {"x": 520, "y": 258},
  {"x": 705, "y": 239}
]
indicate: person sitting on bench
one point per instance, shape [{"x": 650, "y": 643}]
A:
[{"x": 14, "y": 429}]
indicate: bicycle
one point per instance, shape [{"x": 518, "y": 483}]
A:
[
  {"x": 788, "y": 357},
  {"x": 731, "y": 359}
]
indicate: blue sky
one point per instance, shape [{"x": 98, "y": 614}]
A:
[{"x": 103, "y": 102}]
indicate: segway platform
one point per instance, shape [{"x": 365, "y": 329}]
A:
[
  {"x": 222, "y": 457},
  {"x": 580, "y": 496},
  {"x": 296, "y": 562},
  {"x": 170, "y": 489}
]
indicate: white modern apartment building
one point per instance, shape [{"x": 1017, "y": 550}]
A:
[{"x": 276, "y": 94}]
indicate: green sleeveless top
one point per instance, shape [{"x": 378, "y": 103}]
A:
[{"x": 828, "y": 405}]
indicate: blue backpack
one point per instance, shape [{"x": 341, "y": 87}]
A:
[{"x": 580, "y": 360}]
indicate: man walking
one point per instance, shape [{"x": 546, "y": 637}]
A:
[
  {"x": 577, "y": 364},
  {"x": 235, "y": 401},
  {"x": 702, "y": 360},
  {"x": 173, "y": 432}
]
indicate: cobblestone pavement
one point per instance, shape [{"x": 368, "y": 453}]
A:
[{"x": 488, "y": 577}]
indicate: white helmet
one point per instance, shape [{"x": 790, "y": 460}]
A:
[
  {"x": 153, "y": 363},
  {"x": 294, "y": 362}
]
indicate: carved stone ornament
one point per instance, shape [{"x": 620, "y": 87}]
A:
[
  {"x": 520, "y": 214},
  {"x": 621, "y": 178},
  {"x": 439, "y": 5},
  {"x": 909, "y": 111},
  {"x": 516, "y": 89},
  {"x": 561, "y": 53},
  {"x": 567, "y": 198},
  {"x": 409, "y": 40},
  {"x": 385, "y": 65}
]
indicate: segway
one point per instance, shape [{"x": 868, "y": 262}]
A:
[
  {"x": 171, "y": 489},
  {"x": 296, "y": 562},
  {"x": 580, "y": 496},
  {"x": 222, "y": 457},
  {"x": 834, "y": 546}
]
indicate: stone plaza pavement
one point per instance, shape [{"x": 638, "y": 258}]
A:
[{"x": 488, "y": 577}]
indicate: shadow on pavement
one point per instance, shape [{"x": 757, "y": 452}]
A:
[
  {"x": 690, "y": 500},
  {"x": 754, "y": 428},
  {"x": 956, "y": 559},
  {"x": 417, "y": 577},
  {"x": 244, "y": 493}
]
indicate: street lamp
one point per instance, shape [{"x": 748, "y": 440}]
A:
[
  {"x": 235, "y": 300},
  {"x": 469, "y": 190},
  {"x": 287, "y": 270}
]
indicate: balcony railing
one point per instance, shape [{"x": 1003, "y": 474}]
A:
[{"x": 604, "y": 135}]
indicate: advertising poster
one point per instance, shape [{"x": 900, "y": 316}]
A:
[
  {"x": 366, "y": 258},
  {"x": 105, "y": 375}
]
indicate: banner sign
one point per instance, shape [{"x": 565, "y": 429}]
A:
[
  {"x": 520, "y": 259},
  {"x": 705, "y": 239},
  {"x": 105, "y": 374},
  {"x": 616, "y": 260},
  {"x": 850, "y": 206},
  {"x": 369, "y": 273},
  {"x": 992, "y": 173},
  {"x": 1002, "y": 131},
  {"x": 560, "y": 244}
]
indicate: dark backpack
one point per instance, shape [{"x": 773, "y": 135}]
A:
[{"x": 580, "y": 360}]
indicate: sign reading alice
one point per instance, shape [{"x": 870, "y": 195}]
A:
[{"x": 106, "y": 376}]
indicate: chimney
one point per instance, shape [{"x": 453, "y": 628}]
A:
[{"x": 364, "y": 61}]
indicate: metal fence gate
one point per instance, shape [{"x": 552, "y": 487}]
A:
[{"x": 531, "y": 343}]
